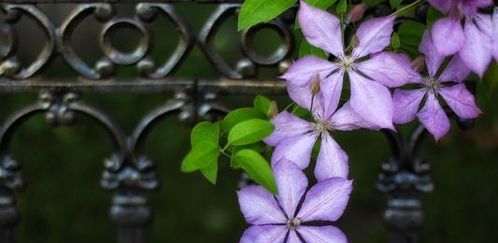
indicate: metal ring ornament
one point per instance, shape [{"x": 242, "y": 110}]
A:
[
  {"x": 283, "y": 50},
  {"x": 117, "y": 56}
]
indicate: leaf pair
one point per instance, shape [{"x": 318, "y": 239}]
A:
[{"x": 243, "y": 130}]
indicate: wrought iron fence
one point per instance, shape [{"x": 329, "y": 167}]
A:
[{"x": 128, "y": 172}]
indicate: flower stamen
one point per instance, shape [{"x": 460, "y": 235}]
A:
[
  {"x": 432, "y": 85},
  {"x": 346, "y": 63},
  {"x": 293, "y": 224},
  {"x": 322, "y": 127}
]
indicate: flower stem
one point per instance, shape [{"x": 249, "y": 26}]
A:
[{"x": 407, "y": 8}]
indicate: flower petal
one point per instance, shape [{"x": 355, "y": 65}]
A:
[
  {"x": 331, "y": 89},
  {"x": 441, "y": 5},
  {"x": 303, "y": 70},
  {"x": 374, "y": 35},
  {"x": 296, "y": 149},
  {"x": 332, "y": 161},
  {"x": 447, "y": 35},
  {"x": 433, "y": 117},
  {"x": 455, "y": 71},
  {"x": 293, "y": 238},
  {"x": 346, "y": 119},
  {"x": 461, "y": 101},
  {"x": 259, "y": 206},
  {"x": 470, "y": 7},
  {"x": 265, "y": 234},
  {"x": 406, "y": 104},
  {"x": 371, "y": 101},
  {"x": 322, "y": 234},
  {"x": 477, "y": 51},
  {"x": 495, "y": 33},
  {"x": 291, "y": 183},
  {"x": 302, "y": 96},
  {"x": 326, "y": 201},
  {"x": 433, "y": 59},
  {"x": 286, "y": 126},
  {"x": 389, "y": 69},
  {"x": 321, "y": 29}
]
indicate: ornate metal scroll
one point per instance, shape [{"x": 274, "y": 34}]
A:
[
  {"x": 128, "y": 173},
  {"x": 58, "y": 42}
]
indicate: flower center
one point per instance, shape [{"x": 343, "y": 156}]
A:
[
  {"x": 322, "y": 127},
  {"x": 346, "y": 63},
  {"x": 293, "y": 224},
  {"x": 432, "y": 85}
]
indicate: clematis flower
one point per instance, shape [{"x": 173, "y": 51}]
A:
[
  {"x": 448, "y": 86},
  {"x": 495, "y": 34},
  {"x": 464, "y": 31},
  {"x": 283, "y": 219},
  {"x": 294, "y": 137},
  {"x": 369, "y": 79}
]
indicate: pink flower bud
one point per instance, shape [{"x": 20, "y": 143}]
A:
[{"x": 357, "y": 12}]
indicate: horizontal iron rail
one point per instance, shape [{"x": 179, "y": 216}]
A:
[
  {"x": 224, "y": 86},
  {"x": 118, "y": 1}
]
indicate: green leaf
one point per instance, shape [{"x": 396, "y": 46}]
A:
[
  {"x": 305, "y": 48},
  {"x": 300, "y": 112},
  {"x": 257, "y": 167},
  {"x": 395, "y": 42},
  {"x": 342, "y": 7},
  {"x": 262, "y": 103},
  {"x": 410, "y": 35},
  {"x": 395, "y": 4},
  {"x": 202, "y": 155},
  {"x": 432, "y": 16},
  {"x": 205, "y": 132},
  {"x": 323, "y": 4},
  {"x": 259, "y": 147},
  {"x": 254, "y": 12},
  {"x": 249, "y": 131},
  {"x": 239, "y": 115},
  {"x": 210, "y": 171}
]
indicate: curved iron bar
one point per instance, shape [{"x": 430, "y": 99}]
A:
[
  {"x": 207, "y": 32},
  {"x": 138, "y": 137},
  {"x": 147, "y": 12},
  {"x": 12, "y": 67},
  {"x": 104, "y": 67}
]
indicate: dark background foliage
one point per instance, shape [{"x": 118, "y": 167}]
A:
[{"x": 63, "y": 201}]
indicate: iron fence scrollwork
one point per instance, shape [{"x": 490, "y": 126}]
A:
[{"x": 127, "y": 172}]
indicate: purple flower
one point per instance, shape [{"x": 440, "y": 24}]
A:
[
  {"x": 432, "y": 115},
  {"x": 294, "y": 137},
  {"x": 369, "y": 79},
  {"x": 280, "y": 219},
  {"x": 464, "y": 31},
  {"x": 495, "y": 34}
]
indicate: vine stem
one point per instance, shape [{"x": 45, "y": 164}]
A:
[{"x": 407, "y": 8}]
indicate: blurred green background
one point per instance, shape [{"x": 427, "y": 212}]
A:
[{"x": 63, "y": 201}]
